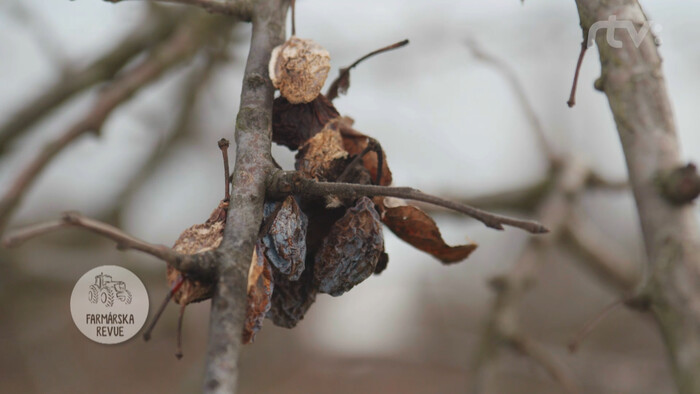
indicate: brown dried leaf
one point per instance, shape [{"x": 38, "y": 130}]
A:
[
  {"x": 260, "y": 288},
  {"x": 355, "y": 142},
  {"x": 418, "y": 229},
  {"x": 197, "y": 239},
  {"x": 322, "y": 157},
  {"x": 285, "y": 241},
  {"x": 294, "y": 124},
  {"x": 351, "y": 251}
]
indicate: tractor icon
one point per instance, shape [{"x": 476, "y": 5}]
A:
[{"x": 105, "y": 289}]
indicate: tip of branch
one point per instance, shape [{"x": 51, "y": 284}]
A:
[
  {"x": 223, "y": 143},
  {"x": 147, "y": 336},
  {"x": 571, "y": 103},
  {"x": 178, "y": 355}
]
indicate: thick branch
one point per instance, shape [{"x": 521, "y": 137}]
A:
[
  {"x": 283, "y": 183},
  {"x": 182, "y": 45},
  {"x": 253, "y": 164},
  {"x": 633, "y": 81}
]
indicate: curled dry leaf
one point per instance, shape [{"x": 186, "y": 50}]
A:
[
  {"x": 351, "y": 251},
  {"x": 414, "y": 226},
  {"x": 294, "y": 124},
  {"x": 299, "y": 68},
  {"x": 260, "y": 288},
  {"x": 197, "y": 239},
  {"x": 285, "y": 241},
  {"x": 355, "y": 142},
  {"x": 323, "y": 157}
]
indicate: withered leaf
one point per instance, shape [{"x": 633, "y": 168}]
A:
[
  {"x": 294, "y": 124},
  {"x": 355, "y": 142},
  {"x": 197, "y": 239},
  {"x": 260, "y": 288},
  {"x": 351, "y": 251},
  {"x": 291, "y": 299},
  {"x": 322, "y": 157},
  {"x": 414, "y": 226},
  {"x": 285, "y": 241}
]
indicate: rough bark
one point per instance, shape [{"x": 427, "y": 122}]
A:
[
  {"x": 252, "y": 166},
  {"x": 633, "y": 82}
]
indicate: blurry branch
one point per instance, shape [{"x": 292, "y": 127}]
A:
[
  {"x": 503, "y": 322},
  {"x": 182, "y": 45},
  {"x": 44, "y": 37},
  {"x": 183, "y": 127},
  {"x": 156, "y": 27},
  {"x": 290, "y": 182},
  {"x": 512, "y": 77},
  {"x": 241, "y": 9},
  {"x": 632, "y": 79},
  {"x": 600, "y": 255}
]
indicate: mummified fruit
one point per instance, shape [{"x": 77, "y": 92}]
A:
[
  {"x": 351, "y": 251},
  {"x": 322, "y": 157},
  {"x": 299, "y": 68},
  {"x": 285, "y": 241},
  {"x": 291, "y": 299},
  {"x": 197, "y": 239},
  {"x": 294, "y": 124}
]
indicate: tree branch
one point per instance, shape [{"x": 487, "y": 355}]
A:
[
  {"x": 182, "y": 45},
  {"x": 252, "y": 166},
  {"x": 241, "y": 9},
  {"x": 198, "y": 266},
  {"x": 633, "y": 81},
  {"x": 290, "y": 182},
  {"x": 155, "y": 28}
]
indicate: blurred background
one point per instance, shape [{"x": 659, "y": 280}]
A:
[{"x": 452, "y": 122}]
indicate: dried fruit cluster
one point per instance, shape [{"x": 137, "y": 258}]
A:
[{"x": 312, "y": 245}]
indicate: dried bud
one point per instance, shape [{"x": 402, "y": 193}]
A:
[{"x": 298, "y": 68}]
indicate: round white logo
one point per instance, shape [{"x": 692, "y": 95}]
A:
[{"x": 109, "y": 304}]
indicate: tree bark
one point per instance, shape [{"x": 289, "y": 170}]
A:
[
  {"x": 633, "y": 82},
  {"x": 252, "y": 166}
]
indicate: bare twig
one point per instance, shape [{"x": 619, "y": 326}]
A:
[
  {"x": 520, "y": 93},
  {"x": 574, "y": 85},
  {"x": 282, "y": 183},
  {"x": 546, "y": 360},
  {"x": 600, "y": 256},
  {"x": 240, "y": 9},
  {"x": 182, "y": 45},
  {"x": 156, "y": 27},
  {"x": 580, "y": 336},
  {"x": 73, "y": 219},
  {"x": 502, "y": 322},
  {"x": 333, "y": 90}
]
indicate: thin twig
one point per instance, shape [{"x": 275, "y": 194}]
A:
[
  {"x": 223, "y": 145},
  {"x": 591, "y": 324},
  {"x": 550, "y": 364},
  {"x": 282, "y": 183},
  {"x": 521, "y": 94},
  {"x": 176, "y": 286},
  {"x": 73, "y": 219},
  {"x": 572, "y": 96},
  {"x": 332, "y": 92},
  {"x": 294, "y": 18},
  {"x": 239, "y": 9}
]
